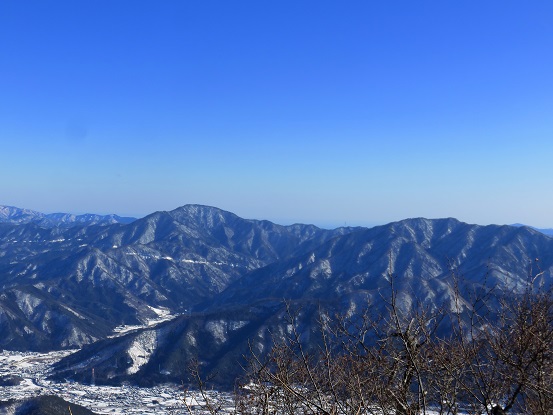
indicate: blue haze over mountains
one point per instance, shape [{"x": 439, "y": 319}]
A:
[
  {"x": 11, "y": 214},
  {"x": 67, "y": 281}
]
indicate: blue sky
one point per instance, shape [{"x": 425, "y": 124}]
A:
[{"x": 327, "y": 112}]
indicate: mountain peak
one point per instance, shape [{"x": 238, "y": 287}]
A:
[
  {"x": 18, "y": 215},
  {"x": 203, "y": 215}
]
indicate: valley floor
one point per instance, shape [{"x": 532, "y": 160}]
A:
[{"x": 34, "y": 367}]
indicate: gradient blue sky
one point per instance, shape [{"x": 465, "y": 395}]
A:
[{"x": 326, "y": 112}]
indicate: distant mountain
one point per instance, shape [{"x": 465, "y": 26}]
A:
[
  {"x": 10, "y": 214},
  {"x": 548, "y": 231},
  {"x": 16, "y": 215}
]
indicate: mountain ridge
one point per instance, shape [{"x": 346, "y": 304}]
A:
[
  {"x": 545, "y": 231},
  {"x": 12, "y": 214},
  {"x": 173, "y": 259},
  {"x": 224, "y": 279}
]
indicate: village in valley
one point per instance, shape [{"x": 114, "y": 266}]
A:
[{"x": 28, "y": 372}]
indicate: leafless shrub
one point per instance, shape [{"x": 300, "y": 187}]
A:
[{"x": 395, "y": 363}]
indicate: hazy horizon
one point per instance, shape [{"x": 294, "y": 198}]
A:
[{"x": 328, "y": 224}]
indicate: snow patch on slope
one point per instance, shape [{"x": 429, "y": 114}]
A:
[
  {"x": 141, "y": 349},
  {"x": 220, "y": 328},
  {"x": 27, "y": 303}
]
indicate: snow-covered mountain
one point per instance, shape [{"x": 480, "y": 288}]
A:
[
  {"x": 226, "y": 278},
  {"x": 69, "y": 286},
  {"x": 14, "y": 215}
]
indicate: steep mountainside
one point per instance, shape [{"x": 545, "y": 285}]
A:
[
  {"x": 227, "y": 277},
  {"x": 69, "y": 286},
  {"x": 425, "y": 259},
  {"x": 423, "y": 254}
]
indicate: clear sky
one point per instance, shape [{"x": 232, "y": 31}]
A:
[{"x": 325, "y": 112}]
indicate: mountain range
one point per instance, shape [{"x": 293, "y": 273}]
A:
[
  {"x": 69, "y": 283},
  {"x": 11, "y": 214}
]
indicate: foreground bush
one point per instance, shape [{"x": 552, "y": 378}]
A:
[{"x": 489, "y": 355}]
